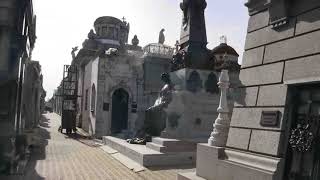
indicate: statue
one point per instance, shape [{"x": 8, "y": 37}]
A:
[
  {"x": 165, "y": 95},
  {"x": 161, "y": 37},
  {"x": 164, "y": 98},
  {"x": 73, "y": 52}
]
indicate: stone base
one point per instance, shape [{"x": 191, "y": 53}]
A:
[
  {"x": 214, "y": 163},
  {"x": 149, "y": 157},
  {"x": 165, "y": 145},
  {"x": 188, "y": 176}
]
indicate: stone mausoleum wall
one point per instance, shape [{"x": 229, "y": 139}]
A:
[{"x": 274, "y": 59}]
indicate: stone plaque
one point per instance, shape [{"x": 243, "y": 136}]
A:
[
  {"x": 106, "y": 106},
  {"x": 269, "y": 118}
]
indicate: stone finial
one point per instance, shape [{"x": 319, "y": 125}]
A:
[
  {"x": 221, "y": 126},
  {"x": 135, "y": 40},
  {"x": 223, "y": 39},
  {"x": 91, "y": 34}
]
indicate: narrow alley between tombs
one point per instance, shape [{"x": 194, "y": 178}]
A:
[{"x": 57, "y": 156}]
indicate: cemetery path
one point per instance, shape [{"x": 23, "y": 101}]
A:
[{"x": 60, "y": 157}]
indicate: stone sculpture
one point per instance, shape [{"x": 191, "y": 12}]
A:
[
  {"x": 73, "y": 52},
  {"x": 112, "y": 51},
  {"x": 165, "y": 95},
  {"x": 161, "y": 37}
]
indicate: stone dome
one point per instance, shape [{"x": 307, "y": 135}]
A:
[
  {"x": 224, "y": 48},
  {"x": 107, "y": 20},
  {"x": 111, "y": 30}
]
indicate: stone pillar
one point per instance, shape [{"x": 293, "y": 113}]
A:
[{"x": 221, "y": 126}]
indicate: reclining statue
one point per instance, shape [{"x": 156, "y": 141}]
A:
[
  {"x": 164, "y": 98},
  {"x": 165, "y": 95}
]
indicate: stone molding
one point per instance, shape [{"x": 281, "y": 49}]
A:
[
  {"x": 278, "y": 10},
  {"x": 253, "y": 160}
]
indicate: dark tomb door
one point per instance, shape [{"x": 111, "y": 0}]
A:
[
  {"x": 119, "y": 111},
  {"x": 303, "y": 156}
]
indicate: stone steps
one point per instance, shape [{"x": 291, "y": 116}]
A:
[
  {"x": 171, "y": 148},
  {"x": 149, "y": 157}
]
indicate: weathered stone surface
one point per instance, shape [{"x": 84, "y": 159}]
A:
[
  {"x": 215, "y": 163},
  {"x": 247, "y": 96},
  {"x": 296, "y": 47},
  {"x": 308, "y": 21},
  {"x": 268, "y": 35},
  {"x": 238, "y": 138},
  {"x": 207, "y": 160},
  {"x": 304, "y": 70},
  {"x": 267, "y": 74},
  {"x": 273, "y": 95},
  {"x": 258, "y": 21},
  {"x": 253, "y": 57},
  {"x": 265, "y": 142},
  {"x": 250, "y": 118}
]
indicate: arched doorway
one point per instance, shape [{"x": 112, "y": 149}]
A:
[{"x": 119, "y": 115}]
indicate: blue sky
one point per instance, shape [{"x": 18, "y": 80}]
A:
[{"x": 63, "y": 24}]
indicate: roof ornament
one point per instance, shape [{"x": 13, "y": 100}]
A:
[
  {"x": 135, "y": 40},
  {"x": 223, "y": 39}
]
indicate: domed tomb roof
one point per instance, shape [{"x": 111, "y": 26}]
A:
[
  {"x": 224, "y": 48},
  {"x": 111, "y": 30},
  {"x": 107, "y": 20}
]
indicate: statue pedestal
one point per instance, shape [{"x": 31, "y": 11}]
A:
[
  {"x": 192, "y": 111},
  {"x": 217, "y": 163},
  {"x": 190, "y": 116}
]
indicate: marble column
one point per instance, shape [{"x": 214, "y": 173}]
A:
[{"x": 221, "y": 126}]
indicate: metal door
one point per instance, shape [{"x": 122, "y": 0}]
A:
[
  {"x": 119, "y": 111},
  {"x": 303, "y": 157}
]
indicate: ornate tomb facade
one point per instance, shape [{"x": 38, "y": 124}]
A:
[{"x": 117, "y": 80}]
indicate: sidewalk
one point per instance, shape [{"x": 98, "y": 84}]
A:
[{"x": 60, "y": 157}]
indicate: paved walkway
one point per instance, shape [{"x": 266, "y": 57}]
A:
[{"x": 60, "y": 157}]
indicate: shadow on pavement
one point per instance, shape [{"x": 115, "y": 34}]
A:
[{"x": 38, "y": 151}]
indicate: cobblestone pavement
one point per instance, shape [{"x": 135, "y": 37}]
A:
[{"x": 60, "y": 157}]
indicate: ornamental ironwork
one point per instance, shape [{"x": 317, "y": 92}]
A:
[{"x": 301, "y": 138}]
